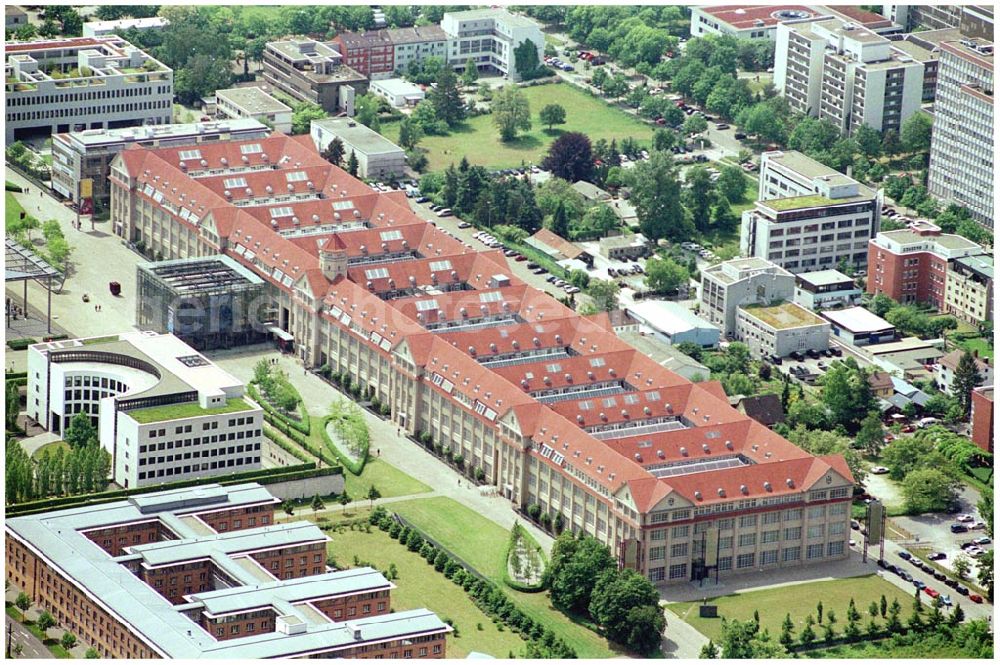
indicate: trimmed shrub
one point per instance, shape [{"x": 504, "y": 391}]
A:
[{"x": 21, "y": 344}]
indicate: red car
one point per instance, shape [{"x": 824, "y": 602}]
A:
[
  {"x": 520, "y": 257},
  {"x": 909, "y": 429},
  {"x": 976, "y": 598},
  {"x": 931, "y": 592}
]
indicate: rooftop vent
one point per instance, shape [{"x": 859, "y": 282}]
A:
[
  {"x": 721, "y": 492},
  {"x": 744, "y": 490},
  {"x": 767, "y": 487},
  {"x": 697, "y": 495},
  {"x": 789, "y": 482}
]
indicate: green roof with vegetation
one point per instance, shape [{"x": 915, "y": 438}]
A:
[
  {"x": 795, "y": 202},
  {"x": 155, "y": 414}
]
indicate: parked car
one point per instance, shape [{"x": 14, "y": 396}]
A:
[
  {"x": 939, "y": 576},
  {"x": 520, "y": 257},
  {"x": 445, "y": 212},
  {"x": 464, "y": 225},
  {"x": 837, "y": 352},
  {"x": 776, "y": 360},
  {"x": 720, "y": 126},
  {"x": 946, "y": 600},
  {"x": 879, "y": 470},
  {"x": 937, "y": 556},
  {"x": 795, "y": 355},
  {"x": 962, "y": 591},
  {"x": 975, "y": 597},
  {"x": 903, "y": 554},
  {"x": 965, "y": 518},
  {"x": 951, "y": 583},
  {"x": 813, "y": 353},
  {"x": 959, "y": 528},
  {"x": 855, "y": 525},
  {"x": 918, "y": 584},
  {"x": 909, "y": 429},
  {"x": 933, "y": 593},
  {"x": 906, "y": 576},
  {"x": 739, "y": 136},
  {"x": 982, "y": 540}
]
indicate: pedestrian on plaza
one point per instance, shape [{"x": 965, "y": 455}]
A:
[{"x": 378, "y": 451}]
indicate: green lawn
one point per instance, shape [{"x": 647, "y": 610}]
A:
[
  {"x": 420, "y": 586},
  {"x": 155, "y": 414},
  {"x": 584, "y": 114},
  {"x": 976, "y": 344},
  {"x": 481, "y": 544},
  {"x": 51, "y": 448},
  {"x": 389, "y": 481},
  {"x": 798, "y": 600},
  {"x": 12, "y": 209}
]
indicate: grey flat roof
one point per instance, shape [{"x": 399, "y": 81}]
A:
[
  {"x": 201, "y": 274},
  {"x": 857, "y": 320},
  {"x": 823, "y": 277},
  {"x": 228, "y": 543},
  {"x": 498, "y": 14},
  {"x": 981, "y": 264},
  {"x": 252, "y": 100},
  {"x": 57, "y": 538},
  {"x": 335, "y": 583},
  {"x": 91, "y": 138},
  {"x": 358, "y": 136}
]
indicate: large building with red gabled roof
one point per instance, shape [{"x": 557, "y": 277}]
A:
[{"x": 552, "y": 408}]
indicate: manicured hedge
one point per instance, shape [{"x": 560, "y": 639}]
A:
[
  {"x": 15, "y": 375},
  {"x": 529, "y": 542},
  {"x": 12, "y": 187},
  {"x": 354, "y": 467},
  {"x": 282, "y": 474},
  {"x": 19, "y": 381},
  {"x": 300, "y": 425},
  {"x": 21, "y": 344},
  {"x": 275, "y": 436}
]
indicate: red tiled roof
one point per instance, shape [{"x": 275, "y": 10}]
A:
[
  {"x": 558, "y": 243},
  {"x": 745, "y": 16},
  {"x": 861, "y": 16},
  {"x": 590, "y": 349}
]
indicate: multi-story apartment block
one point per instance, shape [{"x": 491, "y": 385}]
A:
[
  {"x": 310, "y": 71},
  {"x": 65, "y": 85},
  {"x": 370, "y": 52},
  {"x": 775, "y": 331},
  {"x": 162, "y": 410},
  {"x": 809, "y": 216},
  {"x": 730, "y": 284},
  {"x": 825, "y": 288},
  {"x": 489, "y": 37},
  {"x": 78, "y": 156},
  {"x": 982, "y": 417},
  {"x": 554, "y": 408},
  {"x": 975, "y": 21},
  {"x": 846, "y": 74},
  {"x": 944, "y": 369},
  {"x": 968, "y": 289},
  {"x": 912, "y": 264},
  {"x": 416, "y": 44},
  {"x": 205, "y": 572},
  {"x": 961, "y": 164},
  {"x": 253, "y": 102}
]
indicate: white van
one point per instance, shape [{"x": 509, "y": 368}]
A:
[{"x": 926, "y": 422}]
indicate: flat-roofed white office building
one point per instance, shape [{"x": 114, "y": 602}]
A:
[
  {"x": 65, "y": 85},
  {"x": 162, "y": 410}
]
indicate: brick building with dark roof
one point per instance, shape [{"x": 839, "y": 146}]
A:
[{"x": 554, "y": 409}]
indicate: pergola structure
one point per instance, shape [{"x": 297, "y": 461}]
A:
[{"x": 22, "y": 265}]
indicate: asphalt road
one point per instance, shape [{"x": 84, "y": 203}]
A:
[{"x": 32, "y": 646}]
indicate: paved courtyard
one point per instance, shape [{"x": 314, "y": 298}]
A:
[{"x": 98, "y": 257}]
